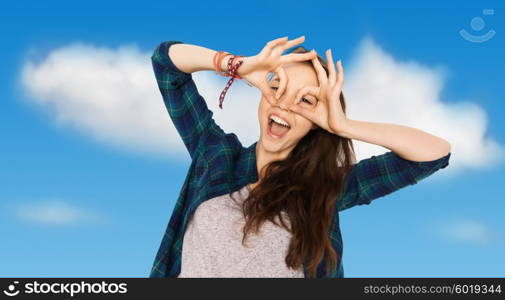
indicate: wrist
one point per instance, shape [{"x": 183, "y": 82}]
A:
[
  {"x": 343, "y": 128},
  {"x": 224, "y": 63}
]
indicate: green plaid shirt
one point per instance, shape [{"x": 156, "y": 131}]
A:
[{"x": 220, "y": 165}]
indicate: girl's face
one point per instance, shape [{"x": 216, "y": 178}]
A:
[{"x": 275, "y": 137}]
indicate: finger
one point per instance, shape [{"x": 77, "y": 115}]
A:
[
  {"x": 332, "y": 78},
  {"x": 293, "y": 42},
  {"x": 321, "y": 73},
  {"x": 283, "y": 81},
  {"x": 306, "y": 90},
  {"x": 304, "y": 112},
  {"x": 269, "y": 94},
  {"x": 298, "y": 57},
  {"x": 340, "y": 79},
  {"x": 273, "y": 43},
  {"x": 287, "y": 44}
]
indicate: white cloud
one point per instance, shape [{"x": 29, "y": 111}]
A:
[
  {"x": 382, "y": 89},
  {"x": 111, "y": 94},
  {"x": 55, "y": 212},
  {"x": 466, "y": 231}
]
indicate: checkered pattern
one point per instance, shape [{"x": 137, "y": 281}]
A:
[{"x": 221, "y": 164}]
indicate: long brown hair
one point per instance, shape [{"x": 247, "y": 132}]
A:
[{"x": 305, "y": 185}]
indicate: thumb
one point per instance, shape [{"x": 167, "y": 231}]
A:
[
  {"x": 269, "y": 93},
  {"x": 301, "y": 111}
]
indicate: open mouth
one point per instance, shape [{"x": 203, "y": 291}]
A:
[{"x": 277, "y": 127}]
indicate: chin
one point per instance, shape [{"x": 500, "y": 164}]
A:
[
  {"x": 271, "y": 146},
  {"x": 274, "y": 145}
]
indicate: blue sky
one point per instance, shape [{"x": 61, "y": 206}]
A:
[{"x": 116, "y": 197}]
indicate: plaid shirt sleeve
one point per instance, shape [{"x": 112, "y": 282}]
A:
[
  {"x": 186, "y": 107},
  {"x": 380, "y": 175}
]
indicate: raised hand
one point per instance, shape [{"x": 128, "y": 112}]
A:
[
  {"x": 327, "y": 113},
  {"x": 255, "y": 69}
]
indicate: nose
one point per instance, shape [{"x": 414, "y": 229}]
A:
[{"x": 284, "y": 101}]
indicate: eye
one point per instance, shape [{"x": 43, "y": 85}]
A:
[
  {"x": 275, "y": 88},
  {"x": 307, "y": 101}
]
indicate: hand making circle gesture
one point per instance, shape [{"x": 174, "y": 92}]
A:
[
  {"x": 327, "y": 113},
  {"x": 255, "y": 69}
]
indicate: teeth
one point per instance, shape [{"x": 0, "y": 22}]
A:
[{"x": 279, "y": 121}]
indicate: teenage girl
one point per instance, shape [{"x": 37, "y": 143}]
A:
[{"x": 271, "y": 209}]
